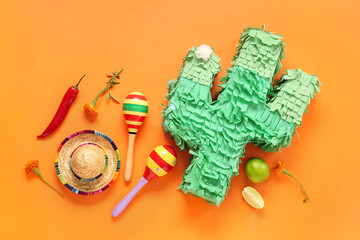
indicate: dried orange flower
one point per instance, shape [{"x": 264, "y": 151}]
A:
[
  {"x": 280, "y": 169},
  {"x": 30, "y": 165},
  {"x": 90, "y": 109}
]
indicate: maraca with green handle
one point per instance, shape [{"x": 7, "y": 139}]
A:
[{"x": 160, "y": 161}]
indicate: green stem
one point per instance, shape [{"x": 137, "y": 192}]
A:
[
  {"x": 117, "y": 74},
  {"x": 120, "y": 71},
  {"x": 35, "y": 170},
  {"x": 302, "y": 188},
  {"x": 108, "y": 86}
]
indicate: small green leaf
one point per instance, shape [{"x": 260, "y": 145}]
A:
[
  {"x": 108, "y": 96},
  {"x": 114, "y": 98}
]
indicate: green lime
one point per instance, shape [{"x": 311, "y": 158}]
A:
[{"x": 257, "y": 170}]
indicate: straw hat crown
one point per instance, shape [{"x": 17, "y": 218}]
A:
[{"x": 88, "y": 161}]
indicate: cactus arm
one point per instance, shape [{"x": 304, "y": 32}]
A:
[{"x": 187, "y": 95}]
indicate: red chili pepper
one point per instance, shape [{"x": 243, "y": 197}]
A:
[{"x": 65, "y": 104}]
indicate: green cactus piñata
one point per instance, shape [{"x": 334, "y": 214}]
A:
[{"x": 216, "y": 133}]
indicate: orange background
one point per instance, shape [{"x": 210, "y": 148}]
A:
[{"x": 46, "y": 46}]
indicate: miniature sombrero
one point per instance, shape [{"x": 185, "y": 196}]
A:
[{"x": 87, "y": 162}]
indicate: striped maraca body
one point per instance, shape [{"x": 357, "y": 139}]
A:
[
  {"x": 160, "y": 162},
  {"x": 135, "y": 109}
]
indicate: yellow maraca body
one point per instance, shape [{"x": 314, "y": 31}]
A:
[{"x": 160, "y": 162}]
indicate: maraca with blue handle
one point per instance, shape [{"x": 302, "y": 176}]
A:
[{"x": 160, "y": 161}]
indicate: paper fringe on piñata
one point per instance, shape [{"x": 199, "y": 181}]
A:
[{"x": 216, "y": 133}]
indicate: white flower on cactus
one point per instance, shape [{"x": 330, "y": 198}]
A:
[
  {"x": 204, "y": 52},
  {"x": 172, "y": 107}
]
